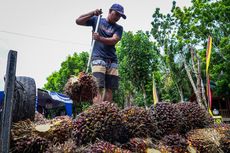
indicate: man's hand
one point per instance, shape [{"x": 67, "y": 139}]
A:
[
  {"x": 96, "y": 36},
  {"x": 107, "y": 41},
  {"x": 81, "y": 20},
  {"x": 97, "y": 12}
]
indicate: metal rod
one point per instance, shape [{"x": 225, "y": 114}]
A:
[
  {"x": 8, "y": 102},
  {"x": 93, "y": 43}
]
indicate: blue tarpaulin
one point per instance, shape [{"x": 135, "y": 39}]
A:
[
  {"x": 60, "y": 97},
  {"x": 54, "y": 100},
  {"x": 63, "y": 98},
  {"x": 1, "y": 97}
]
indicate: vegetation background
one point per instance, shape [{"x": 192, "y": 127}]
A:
[{"x": 173, "y": 54}]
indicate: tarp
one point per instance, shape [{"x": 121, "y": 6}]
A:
[
  {"x": 63, "y": 98},
  {"x": 50, "y": 99},
  {"x": 1, "y": 97},
  {"x": 60, "y": 97}
]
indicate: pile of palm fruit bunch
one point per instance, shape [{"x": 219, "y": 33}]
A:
[
  {"x": 40, "y": 119},
  {"x": 224, "y": 131},
  {"x": 138, "y": 145},
  {"x": 138, "y": 122},
  {"x": 173, "y": 143},
  {"x": 81, "y": 88},
  {"x": 193, "y": 116},
  {"x": 104, "y": 147},
  {"x": 100, "y": 121},
  {"x": 68, "y": 146},
  {"x": 27, "y": 136},
  {"x": 106, "y": 128},
  {"x": 204, "y": 140},
  {"x": 167, "y": 118},
  {"x": 24, "y": 139}
]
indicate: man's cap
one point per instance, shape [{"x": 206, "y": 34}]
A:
[{"x": 118, "y": 8}]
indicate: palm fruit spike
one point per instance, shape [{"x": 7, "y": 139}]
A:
[
  {"x": 21, "y": 129},
  {"x": 23, "y": 139},
  {"x": 68, "y": 146},
  {"x": 224, "y": 131},
  {"x": 174, "y": 143},
  {"x": 105, "y": 147},
  {"x": 193, "y": 116},
  {"x": 204, "y": 140},
  {"x": 72, "y": 88},
  {"x": 99, "y": 121},
  {"x": 138, "y": 145},
  {"x": 39, "y": 118},
  {"x": 57, "y": 130},
  {"x": 137, "y": 121},
  {"x": 225, "y": 142},
  {"x": 81, "y": 88},
  {"x": 165, "y": 115},
  {"x": 88, "y": 87}
]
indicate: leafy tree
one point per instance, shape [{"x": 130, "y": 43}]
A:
[
  {"x": 209, "y": 18},
  {"x": 136, "y": 63},
  {"x": 181, "y": 34},
  {"x": 164, "y": 30},
  {"x": 72, "y": 66}
]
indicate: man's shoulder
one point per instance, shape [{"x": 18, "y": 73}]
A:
[
  {"x": 105, "y": 21},
  {"x": 118, "y": 25}
]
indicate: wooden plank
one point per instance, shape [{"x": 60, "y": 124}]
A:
[{"x": 8, "y": 101}]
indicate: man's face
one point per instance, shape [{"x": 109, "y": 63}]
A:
[{"x": 114, "y": 16}]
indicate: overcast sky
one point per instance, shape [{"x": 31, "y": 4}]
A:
[{"x": 44, "y": 33}]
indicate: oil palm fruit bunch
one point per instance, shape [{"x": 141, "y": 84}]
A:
[
  {"x": 225, "y": 142},
  {"x": 104, "y": 147},
  {"x": 165, "y": 115},
  {"x": 57, "y": 130},
  {"x": 68, "y": 146},
  {"x": 225, "y": 138},
  {"x": 204, "y": 140},
  {"x": 81, "y": 88},
  {"x": 173, "y": 143},
  {"x": 72, "y": 88},
  {"x": 194, "y": 116},
  {"x": 39, "y": 118},
  {"x": 88, "y": 87},
  {"x": 137, "y": 121},
  {"x": 99, "y": 121},
  {"x": 23, "y": 138},
  {"x": 138, "y": 145}
]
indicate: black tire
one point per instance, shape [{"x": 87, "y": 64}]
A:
[{"x": 24, "y": 99}]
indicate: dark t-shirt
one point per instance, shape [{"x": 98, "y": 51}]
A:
[{"x": 107, "y": 30}]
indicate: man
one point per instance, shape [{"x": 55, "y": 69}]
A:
[{"x": 104, "y": 58}]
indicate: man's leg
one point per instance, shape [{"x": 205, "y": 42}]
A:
[
  {"x": 99, "y": 97},
  {"x": 111, "y": 82},
  {"x": 108, "y": 95},
  {"x": 99, "y": 70}
]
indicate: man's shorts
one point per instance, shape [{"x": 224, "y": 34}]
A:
[{"x": 106, "y": 73}]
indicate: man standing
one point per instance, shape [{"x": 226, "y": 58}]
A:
[{"x": 104, "y": 58}]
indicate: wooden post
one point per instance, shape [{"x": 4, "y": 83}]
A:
[{"x": 8, "y": 101}]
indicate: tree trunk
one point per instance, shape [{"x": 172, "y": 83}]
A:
[
  {"x": 203, "y": 94},
  {"x": 181, "y": 94},
  {"x": 128, "y": 101},
  {"x": 200, "y": 87},
  {"x": 144, "y": 95},
  {"x": 179, "y": 89},
  {"x": 193, "y": 84}
]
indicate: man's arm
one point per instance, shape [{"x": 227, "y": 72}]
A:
[
  {"x": 81, "y": 20},
  {"x": 108, "y": 41}
]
